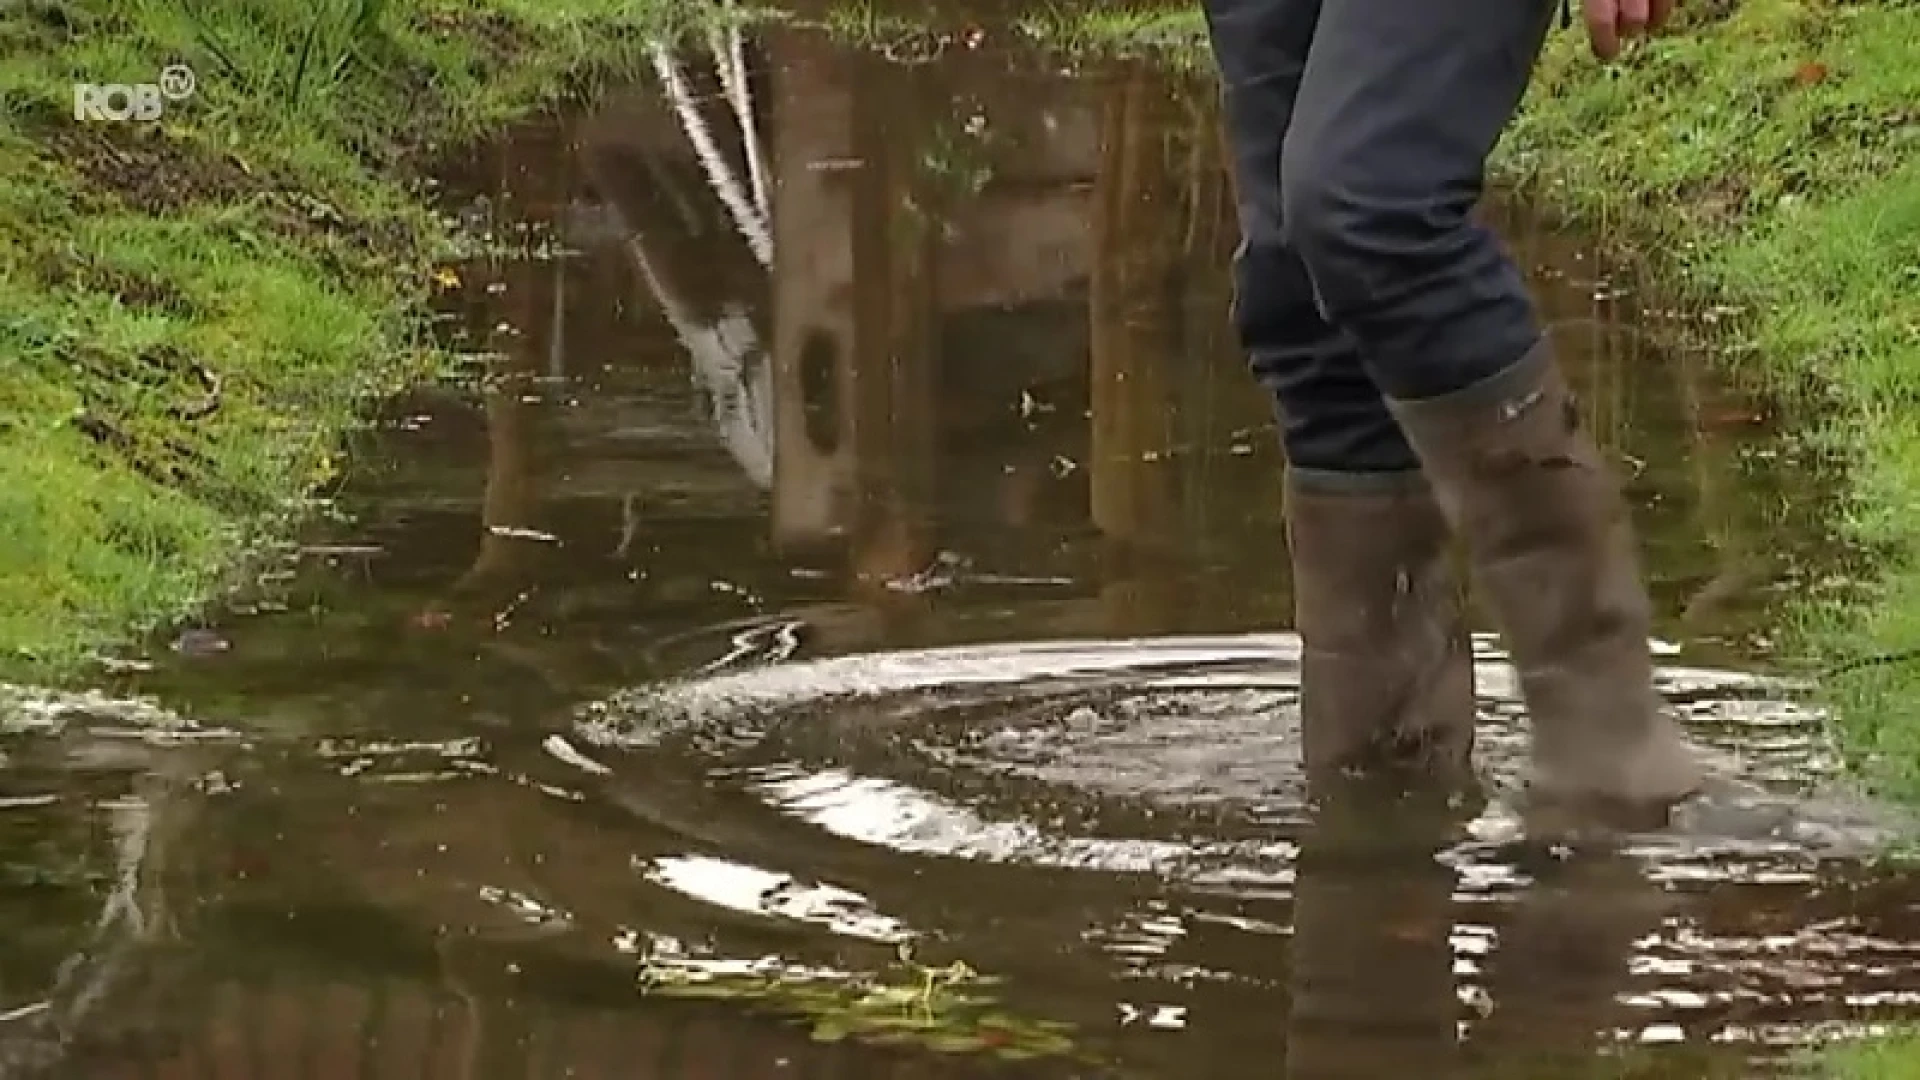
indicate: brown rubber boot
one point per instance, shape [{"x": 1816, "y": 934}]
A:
[
  {"x": 1386, "y": 676},
  {"x": 1551, "y": 543}
]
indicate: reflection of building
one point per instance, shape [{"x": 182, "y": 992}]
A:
[
  {"x": 958, "y": 308},
  {"x": 958, "y": 255},
  {"x": 908, "y": 201}
]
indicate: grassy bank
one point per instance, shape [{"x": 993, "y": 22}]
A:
[
  {"x": 193, "y": 308},
  {"x": 1890, "y": 1059},
  {"x": 1772, "y": 155}
]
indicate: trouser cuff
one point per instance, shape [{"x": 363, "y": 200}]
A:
[
  {"x": 1509, "y": 389},
  {"x": 1331, "y": 482}
]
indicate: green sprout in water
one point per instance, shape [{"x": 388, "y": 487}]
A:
[{"x": 944, "y": 1008}]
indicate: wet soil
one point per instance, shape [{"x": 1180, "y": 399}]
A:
[{"x": 868, "y": 543}]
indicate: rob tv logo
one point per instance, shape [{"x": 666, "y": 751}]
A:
[{"x": 144, "y": 102}]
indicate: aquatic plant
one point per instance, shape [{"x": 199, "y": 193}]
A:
[{"x": 945, "y": 1008}]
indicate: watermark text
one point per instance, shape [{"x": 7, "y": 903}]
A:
[{"x": 144, "y": 102}]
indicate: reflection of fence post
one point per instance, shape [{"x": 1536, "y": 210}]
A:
[
  {"x": 1723, "y": 519},
  {"x": 813, "y": 331},
  {"x": 854, "y": 325},
  {"x": 896, "y": 345},
  {"x": 1138, "y": 240}
]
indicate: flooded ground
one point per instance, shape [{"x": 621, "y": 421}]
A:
[{"x": 861, "y": 556}]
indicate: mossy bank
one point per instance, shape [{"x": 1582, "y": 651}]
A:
[{"x": 194, "y": 307}]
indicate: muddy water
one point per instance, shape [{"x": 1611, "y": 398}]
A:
[{"x": 871, "y": 540}]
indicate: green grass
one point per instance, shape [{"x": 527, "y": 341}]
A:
[
  {"x": 1893, "y": 1058},
  {"x": 193, "y": 311},
  {"x": 1174, "y": 34},
  {"x": 1772, "y": 155}
]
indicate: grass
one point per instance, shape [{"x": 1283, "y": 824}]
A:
[
  {"x": 1895, "y": 1058},
  {"x": 193, "y": 310},
  {"x": 1171, "y": 35},
  {"x": 1772, "y": 153},
  {"x": 950, "y": 1009},
  {"x": 1176, "y": 35}
]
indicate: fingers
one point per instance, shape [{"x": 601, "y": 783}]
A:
[
  {"x": 1632, "y": 21},
  {"x": 1610, "y": 22},
  {"x": 1603, "y": 17}
]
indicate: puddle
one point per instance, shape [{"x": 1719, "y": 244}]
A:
[{"x": 855, "y": 566}]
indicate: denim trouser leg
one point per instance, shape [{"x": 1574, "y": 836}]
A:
[
  {"x": 1360, "y": 132},
  {"x": 1331, "y": 415}
]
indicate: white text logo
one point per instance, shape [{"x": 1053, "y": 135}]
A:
[{"x": 145, "y": 102}]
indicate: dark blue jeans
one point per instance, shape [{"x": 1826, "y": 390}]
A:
[{"x": 1360, "y": 131}]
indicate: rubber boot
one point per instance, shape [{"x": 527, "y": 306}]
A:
[
  {"x": 1386, "y": 675},
  {"x": 1551, "y": 544}
]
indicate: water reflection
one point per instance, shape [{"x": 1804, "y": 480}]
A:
[
  {"x": 786, "y": 354},
  {"x": 1372, "y": 980},
  {"x": 961, "y": 323}
]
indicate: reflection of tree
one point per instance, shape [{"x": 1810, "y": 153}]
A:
[
  {"x": 855, "y": 319},
  {"x": 728, "y": 358},
  {"x": 1137, "y": 248},
  {"x": 149, "y": 829},
  {"x": 530, "y": 165},
  {"x": 506, "y": 508},
  {"x": 728, "y": 361},
  {"x": 749, "y": 209},
  {"x": 663, "y": 230}
]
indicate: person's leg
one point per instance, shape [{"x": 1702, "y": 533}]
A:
[
  {"x": 1387, "y": 666},
  {"x": 1332, "y": 416},
  {"x": 1400, "y": 103}
]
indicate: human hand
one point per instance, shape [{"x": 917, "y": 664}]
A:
[{"x": 1611, "y": 22}]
